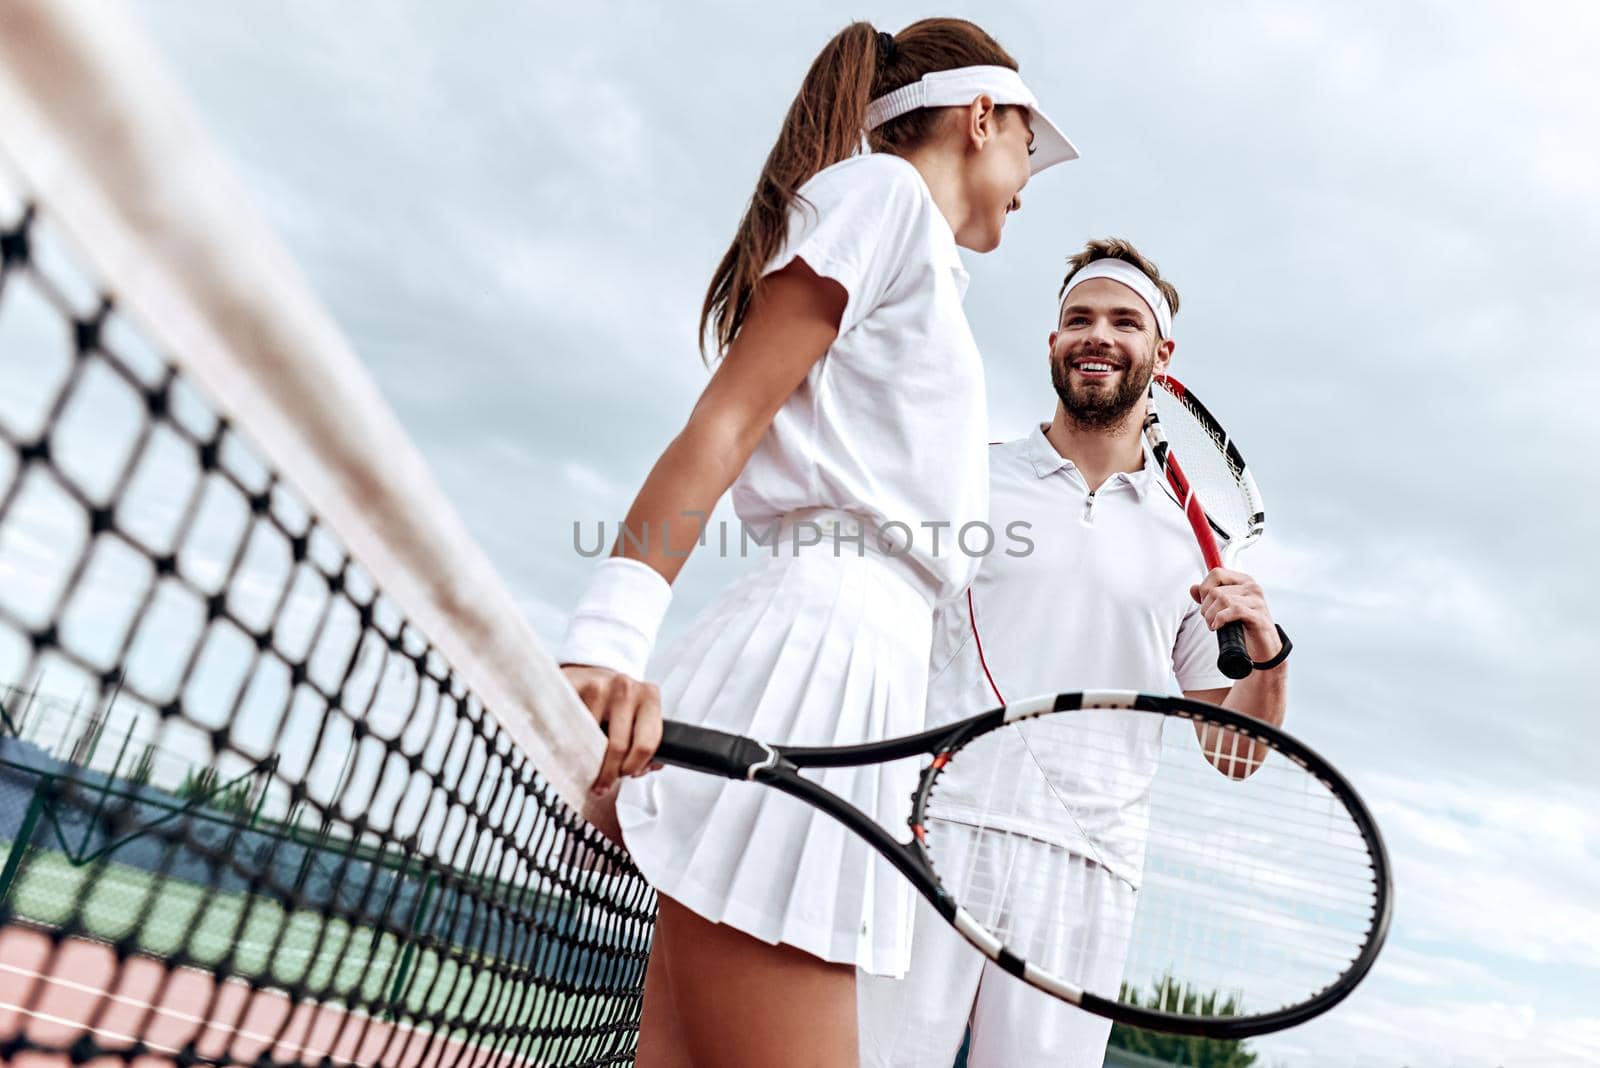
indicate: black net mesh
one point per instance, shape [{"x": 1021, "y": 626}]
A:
[{"x": 247, "y": 812}]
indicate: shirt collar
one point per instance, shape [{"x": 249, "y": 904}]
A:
[
  {"x": 1047, "y": 461},
  {"x": 1043, "y": 455}
]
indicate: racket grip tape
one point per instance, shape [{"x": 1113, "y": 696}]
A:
[
  {"x": 703, "y": 749},
  {"x": 1233, "y": 659}
]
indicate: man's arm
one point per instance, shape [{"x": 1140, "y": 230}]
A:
[
  {"x": 1263, "y": 695},
  {"x": 1223, "y": 597}
]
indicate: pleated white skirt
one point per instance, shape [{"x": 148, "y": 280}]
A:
[{"x": 807, "y": 649}]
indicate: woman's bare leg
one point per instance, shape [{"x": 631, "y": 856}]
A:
[
  {"x": 661, "y": 1043},
  {"x": 737, "y": 1001}
]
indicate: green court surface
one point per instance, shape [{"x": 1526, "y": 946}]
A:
[{"x": 300, "y": 952}]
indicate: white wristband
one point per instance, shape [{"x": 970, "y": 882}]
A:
[{"x": 615, "y": 623}]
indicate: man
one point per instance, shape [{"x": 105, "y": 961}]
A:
[{"x": 1111, "y": 596}]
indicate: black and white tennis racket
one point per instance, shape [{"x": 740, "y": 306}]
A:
[
  {"x": 1263, "y": 885},
  {"x": 1214, "y": 487}
]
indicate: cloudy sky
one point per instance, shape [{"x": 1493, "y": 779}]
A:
[{"x": 1381, "y": 220}]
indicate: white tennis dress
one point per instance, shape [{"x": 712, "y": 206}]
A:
[
  {"x": 828, "y": 643},
  {"x": 1100, "y": 602}
]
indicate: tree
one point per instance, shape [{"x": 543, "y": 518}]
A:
[
  {"x": 145, "y": 769},
  {"x": 1189, "y": 1050},
  {"x": 204, "y": 787}
]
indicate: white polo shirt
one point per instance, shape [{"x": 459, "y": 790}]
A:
[
  {"x": 890, "y": 423},
  {"x": 1101, "y": 602}
]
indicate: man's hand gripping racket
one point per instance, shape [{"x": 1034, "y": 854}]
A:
[{"x": 1214, "y": 487}]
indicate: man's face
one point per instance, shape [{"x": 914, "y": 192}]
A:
[{"x": 1104, "y": 352}]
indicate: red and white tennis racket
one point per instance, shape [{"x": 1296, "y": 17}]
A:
[{"x": 1215, "y": 488}]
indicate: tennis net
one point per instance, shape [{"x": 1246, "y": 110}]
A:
[{"x": 284, "y": 776}]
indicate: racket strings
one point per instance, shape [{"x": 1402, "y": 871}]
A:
[
  {"x": 1213, "y": 431},
  {"x": 1123, "y": 850},
  {"x": 1214, "y": 475},
  {"x": 1062, "y": 803}
]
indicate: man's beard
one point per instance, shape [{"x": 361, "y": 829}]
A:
[{"x": 1096, "y": 408}]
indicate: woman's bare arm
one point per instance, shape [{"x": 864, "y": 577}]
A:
[{"x": 793, "y": 320}]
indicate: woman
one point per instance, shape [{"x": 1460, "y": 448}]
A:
[{"x": 848, "y": 395}]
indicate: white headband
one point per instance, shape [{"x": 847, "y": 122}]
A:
[
  {"x": 963, "y": 85},
  {"x": 1130, "y": 276}
]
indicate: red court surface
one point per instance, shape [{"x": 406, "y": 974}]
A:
[{"x": 56, "y": 996}]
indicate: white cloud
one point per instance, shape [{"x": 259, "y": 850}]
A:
[
  {"x": 1409, "y": 967},
  {"x": 1492, "y": 872},
  {"x": 1467, "y": 1033}
]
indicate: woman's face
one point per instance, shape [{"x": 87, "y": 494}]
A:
[{"x": 995, "y": 176}]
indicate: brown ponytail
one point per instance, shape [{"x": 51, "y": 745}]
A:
[{"x": 824, "y": 125}]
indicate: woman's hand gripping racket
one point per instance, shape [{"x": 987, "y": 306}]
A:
[
  {"x": 1214, "y": 487},
  {"x": 1261, "y": 874}
]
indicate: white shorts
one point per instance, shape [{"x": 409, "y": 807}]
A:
[
  {"x": 919, "y": 1021},
  {"x": 814, "y": 649}
]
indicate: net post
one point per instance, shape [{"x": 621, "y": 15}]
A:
[
  {"x": 19, "y": 845},
  {"x": 408, "y": 951}
]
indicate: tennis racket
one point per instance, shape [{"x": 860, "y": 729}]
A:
[
  {"x": 1214, "y": 488},
  {"x": 1263, "y": 885}
]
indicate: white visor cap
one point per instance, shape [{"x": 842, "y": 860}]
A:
[{"x": 960, "y": 87}]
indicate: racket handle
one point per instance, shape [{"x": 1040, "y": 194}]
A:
[
  {"x": 1233, "y": 659},
  {"x": 703, "y": 749}
]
